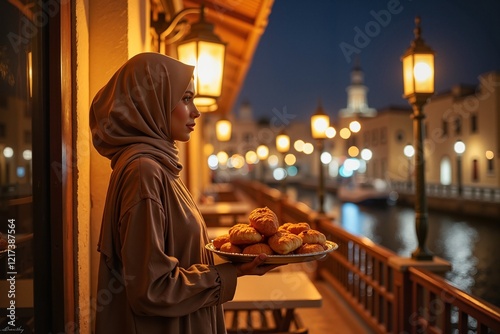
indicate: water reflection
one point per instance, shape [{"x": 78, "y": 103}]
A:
[
  {"x": 406, "y": 234},
  {"x": 469, "y": 244},
  {"x": 458, "y": 247},
  {"x": 357, "y": 222}
]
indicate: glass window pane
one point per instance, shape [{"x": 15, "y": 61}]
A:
[{"x": 16, "y": 212}]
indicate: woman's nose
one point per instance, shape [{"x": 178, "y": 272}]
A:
[{"x": 195, "y": 112}]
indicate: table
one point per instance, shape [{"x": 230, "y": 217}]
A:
[
  {"x": 278, "y": 292},
  {"x": 225, "y": 213}
]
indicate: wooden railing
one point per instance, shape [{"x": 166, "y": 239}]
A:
[{"x": 388, "y": 296}]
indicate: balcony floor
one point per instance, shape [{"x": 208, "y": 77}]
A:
[{"x": 334, "y": 316}]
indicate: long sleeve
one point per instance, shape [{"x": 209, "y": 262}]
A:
[
  {"x": 155, "y": 274},
  {"x": 158, "y": 284}
]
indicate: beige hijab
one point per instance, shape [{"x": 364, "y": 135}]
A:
[{"x": 130, "y": 117}]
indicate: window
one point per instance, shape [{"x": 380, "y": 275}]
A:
[
  {"x": 383, "y": 135},
  {"x": 491, "y": 166},
  {"x": 16, "y": 216},
  {"x": 445, "y": 128},
  {"x": 366, "y": 139},
  {"x": 475, "y": 170},
  {"x": 247, "y": 137},
  {"x": 458, "y": 125},
  {"x": 27, "y": 136},
  {"x": 374, "y": 137},
  {"x": 400, "y": 136},
  {"x": 35, "y": 149},
  {"x": 445, "y": 171},
  {"x": 473, "y": 123}
]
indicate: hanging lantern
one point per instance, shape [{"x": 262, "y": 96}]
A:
[
  {"x": 204, "y": 50},
  {"x": 223, "y": 129}
]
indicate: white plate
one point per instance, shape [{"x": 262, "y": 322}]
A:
[{"x": 274, "y": 259}]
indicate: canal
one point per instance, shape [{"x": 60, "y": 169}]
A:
[{"x": 470, "y": 244}]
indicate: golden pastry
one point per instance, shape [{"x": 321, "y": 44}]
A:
[
  {"x": 258, "y": 248},
  {"x": 230, "y": 248},
  {"x": 312, "y": 237},
  {"x": 284, "y": 242},
  {"x": 309, "y": 248},
  {"x": 241, "y": 234},
  {"x": 264, "y": 220},
  {"x": 220, "y": 240},
  {"x": 296, "y": 228}
]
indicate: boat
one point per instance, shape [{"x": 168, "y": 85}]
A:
[{"x": 376, "y": 192}]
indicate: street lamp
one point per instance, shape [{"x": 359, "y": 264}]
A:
[
  {"x": 320, "y": 122},
  {"x": 366, "y": 155},
  {"x": 283, "y": 145},
  {"x": 418, "y": 82},
  {"x": 459, "y": 148},
  {"x": 262, "y": 154},
  {"x": 409, "y": 152}
]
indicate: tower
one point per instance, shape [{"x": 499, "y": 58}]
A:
[{"x": 357, "y": 104}]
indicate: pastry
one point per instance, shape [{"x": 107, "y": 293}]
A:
[
  {"x": 220, "y": 240},
  {"x": 230, "y": 248},
  {"x": 284, "y": 242},
  {"x": 312, "y": 237},
  {"x": 284, "y": 227},
  {"x": 296, "y": 228},
  {"x": 241, "y": 234},
  {"x": 309, "y": 248},
  {"x": 258, "y": 248},
  {"x": 264, "y": 220}
]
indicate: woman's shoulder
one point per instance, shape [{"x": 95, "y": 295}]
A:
[{"x": 145, "y": 169}]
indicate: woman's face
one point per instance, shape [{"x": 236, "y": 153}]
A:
[{"x": 184, "y": 115}]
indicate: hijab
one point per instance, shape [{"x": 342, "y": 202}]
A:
[
  {"x": 131, "y": 114},
  {"x": 131, "y": 117}
]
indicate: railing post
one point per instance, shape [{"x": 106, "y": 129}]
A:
[
  {"x": 405, "y": 303},
  {"x": 401, "y": 309}
]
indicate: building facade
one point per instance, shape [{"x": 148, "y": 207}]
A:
[{"x": 470, "y": 114}]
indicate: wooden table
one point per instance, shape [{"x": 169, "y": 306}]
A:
[
  {"x": 278, "y": 292},
  {"x": 225, "y": 213}
]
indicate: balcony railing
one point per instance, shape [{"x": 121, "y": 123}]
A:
[{"x": 390, "y": 297}]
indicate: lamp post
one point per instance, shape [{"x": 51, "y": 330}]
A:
[
  {"x": 459, "y": 148},
  {"x": 366, "y": 155},
  {"x": 418, "y": 80},
  {"x": 409, "y": 152},
  {"x": 320, "y": 122},
  {"x": 283, "y": 145},
  {"x": 262, "y": 153}
]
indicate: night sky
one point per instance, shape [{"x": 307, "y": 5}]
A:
[{"x": 309, "y": 49}]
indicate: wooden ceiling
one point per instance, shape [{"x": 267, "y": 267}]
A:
[{"x": 239, "y": 23}]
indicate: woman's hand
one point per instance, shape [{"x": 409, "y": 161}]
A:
[{"x": 256, "y": 267}]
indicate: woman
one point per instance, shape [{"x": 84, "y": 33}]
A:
[{"x": 155, "y": 275}]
